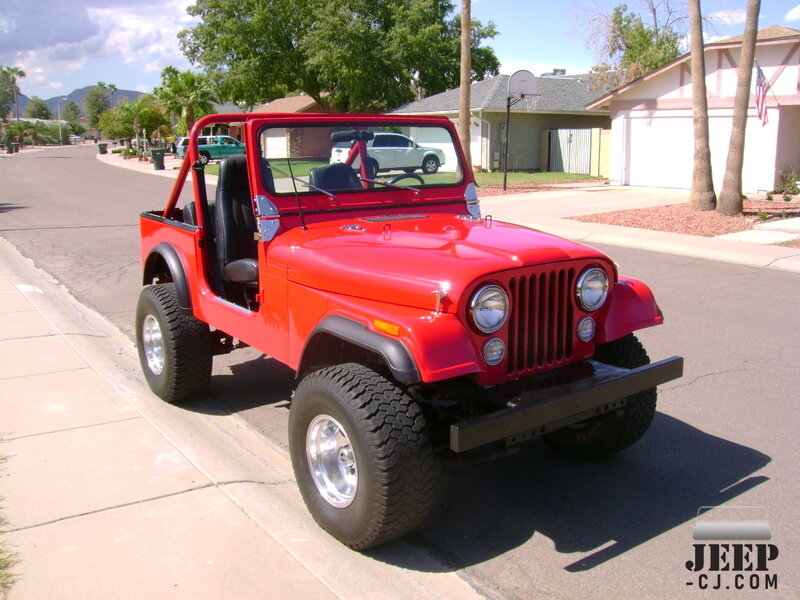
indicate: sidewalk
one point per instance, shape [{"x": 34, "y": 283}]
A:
[
  {"x": 111, "y": 493},
  {"x": 550, "y": 211}
]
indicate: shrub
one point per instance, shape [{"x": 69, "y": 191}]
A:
[{"x": 788, "y": 184}]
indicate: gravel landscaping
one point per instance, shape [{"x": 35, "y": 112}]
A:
[{"x": 679, "y": 218}]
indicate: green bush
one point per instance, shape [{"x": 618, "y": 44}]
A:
[
  {"x": 117, "y": 151},
  {"x": 789, "y": 181}
]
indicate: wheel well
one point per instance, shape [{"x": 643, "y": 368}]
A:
[
  {"x": 326, "y": 350},
  {"x": 163, "y": 265}
]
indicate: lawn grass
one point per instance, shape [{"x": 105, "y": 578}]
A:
[
  {"x": 301, "y": 168},
  {"x": 496, "y": 178}
]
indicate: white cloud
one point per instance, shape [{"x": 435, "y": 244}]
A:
[
  {"x": 48, "y": 38},
  {"x": 143, "y": 88},
  {"x": 729, "y": 17},
  {"x": 793, "y": 15}
]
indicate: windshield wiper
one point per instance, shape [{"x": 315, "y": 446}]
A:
[{"x": 393, "y": 185}]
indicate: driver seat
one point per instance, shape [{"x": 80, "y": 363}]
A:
[
  {"x": 334, "y": 177},
  {"x": 235, "y": 223}
]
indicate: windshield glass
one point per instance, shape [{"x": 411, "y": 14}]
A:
[{"x": 358, "y": 157}]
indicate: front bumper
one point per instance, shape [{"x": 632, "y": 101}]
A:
[{"x": 558, "y": 399}]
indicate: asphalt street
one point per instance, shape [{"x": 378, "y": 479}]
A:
[{"x": 534, "y": 525}]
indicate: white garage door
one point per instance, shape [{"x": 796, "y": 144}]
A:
[{"x": 660, "y": 152}]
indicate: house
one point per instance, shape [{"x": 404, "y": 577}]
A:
[
  {"x": 651, "y": 117},
  {"x": 560, "y": 104},
  {"x": 279, "y": 144}
]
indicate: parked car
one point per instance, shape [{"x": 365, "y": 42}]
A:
[
  {"x": 418, "y": 329},
  {"x": 212, "y": 147},
  {"x": 394, "y": 151}
]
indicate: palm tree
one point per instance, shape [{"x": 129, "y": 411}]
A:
[
  {"x": 112, "y": 88},
  {"x": 36, "y": 129},
  {"x": 703, "y": 197},
  {"x": 185, "y": 93},
  {"x": 464, "y": 119},
  {"x": 18, "y": 130},
  {"x": 15, "y": 73},
  {"x": 730, "y": 201}
]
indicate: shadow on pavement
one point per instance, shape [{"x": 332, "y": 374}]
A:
[
  {"x": 8, "y": 206},
  {"x": 258, "y": 382},
  {"x": 603, "y": 508}
]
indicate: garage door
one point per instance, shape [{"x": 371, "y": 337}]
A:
[{"x": 660, "y": 152}]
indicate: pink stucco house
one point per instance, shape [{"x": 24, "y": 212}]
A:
[{"x": 651, "y": 117}]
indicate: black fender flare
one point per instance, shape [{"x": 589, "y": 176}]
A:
[
  {"x": 393, "y": 351},
  {"x": 177, "y": 272}
]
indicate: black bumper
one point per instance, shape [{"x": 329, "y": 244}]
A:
[{"x": 584, "y": 391}]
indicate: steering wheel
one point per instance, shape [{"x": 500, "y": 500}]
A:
[{"x": 402, "y": 176}]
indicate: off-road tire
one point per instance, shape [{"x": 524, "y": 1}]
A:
[
  {"x": 397, "y": 472},
  {"x": 187, "y": 348},
  {"x": 430, "y": 164},
  {"x": 608, "y": 434}
]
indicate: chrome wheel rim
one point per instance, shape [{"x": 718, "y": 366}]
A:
[
  {"x": 153, "y": 343},
  {"x": 332, "y": 461}
]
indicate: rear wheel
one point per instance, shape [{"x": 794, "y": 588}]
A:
[
  {"x": 175, "y": 348},
  {"x": 361, "y": 455},
  {"x": 608, "y": 434}
]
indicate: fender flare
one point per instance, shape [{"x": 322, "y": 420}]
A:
[
  {"x": 632, "y": 307},
  {"x": 176, "y": 269},
  {"x": 393, "y": 351}
]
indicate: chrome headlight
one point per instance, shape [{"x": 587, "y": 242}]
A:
[
  {"x": 592, "y": 289},
  {"x": 489, "y": 308}
]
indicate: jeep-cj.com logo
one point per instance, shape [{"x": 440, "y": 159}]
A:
[{"x": 733, "y": 552}]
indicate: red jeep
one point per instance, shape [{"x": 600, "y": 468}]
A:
[{"x": 417, "y": 327}]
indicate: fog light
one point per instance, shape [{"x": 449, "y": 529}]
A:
[
  {"x": 586, "y": 329},
  {"x": 493, "y": 351}
]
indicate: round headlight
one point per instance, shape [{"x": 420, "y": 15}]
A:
[
  {"x": 592, "y": 289},
  {"x": 489, "y": 308}
]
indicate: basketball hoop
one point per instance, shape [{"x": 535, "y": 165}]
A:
[{"x": 522, "y": 85}]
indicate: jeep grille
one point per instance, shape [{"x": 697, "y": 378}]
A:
[{"x": 540, "y": 324}]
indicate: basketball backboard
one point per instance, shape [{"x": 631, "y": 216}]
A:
[{"x": 521, "y": 84}]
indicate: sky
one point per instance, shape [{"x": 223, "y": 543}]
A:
[{"x": 63, "y": 45}]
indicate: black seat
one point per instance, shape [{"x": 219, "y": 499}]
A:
[
  {"x": 333, "y": 177},
  {"x": 235, "y": 223}
]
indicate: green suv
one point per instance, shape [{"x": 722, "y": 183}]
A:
[{"x": 212, "y": 147}]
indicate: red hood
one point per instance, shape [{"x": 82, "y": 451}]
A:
[{"x": 405, "y": 261}]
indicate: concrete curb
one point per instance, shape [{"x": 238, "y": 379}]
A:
[{"x": 105, "y": 483}]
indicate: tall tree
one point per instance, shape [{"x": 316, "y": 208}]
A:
[
  {"x": 70, "y": 112},
  {"x": 6, "y": 94},
  {"x": 703, "y": 197},
  {"x": 627, "y": 46},
  {"x": 37, "y": 109},
  {"x": 730, "y": 201},
  {"x": 465, "y": 82},
  {"x": 15, "y": 73},
  {"x": 349, "y": 55},
  {"x": 112, "y": 88},
  {"x": 96, "y": 103},
  {"x": 185, "y": 94}
]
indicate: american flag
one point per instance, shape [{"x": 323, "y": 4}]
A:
[{"x": 761, "y": 95}]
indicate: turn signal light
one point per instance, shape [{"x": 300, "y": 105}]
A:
[{"x": 386, "y": 327}]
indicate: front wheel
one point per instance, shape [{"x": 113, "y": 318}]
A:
[
  {"x": 610, "y": 433},
  {"x": 430, "y": 164},
  {"x": 174, "y": 347},
  {"x": 361, "y": 454}
]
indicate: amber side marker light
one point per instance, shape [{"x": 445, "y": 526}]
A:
[{"x": 386, "y": 327}]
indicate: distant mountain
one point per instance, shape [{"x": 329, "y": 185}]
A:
[{"x": 77, "y": 96}]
